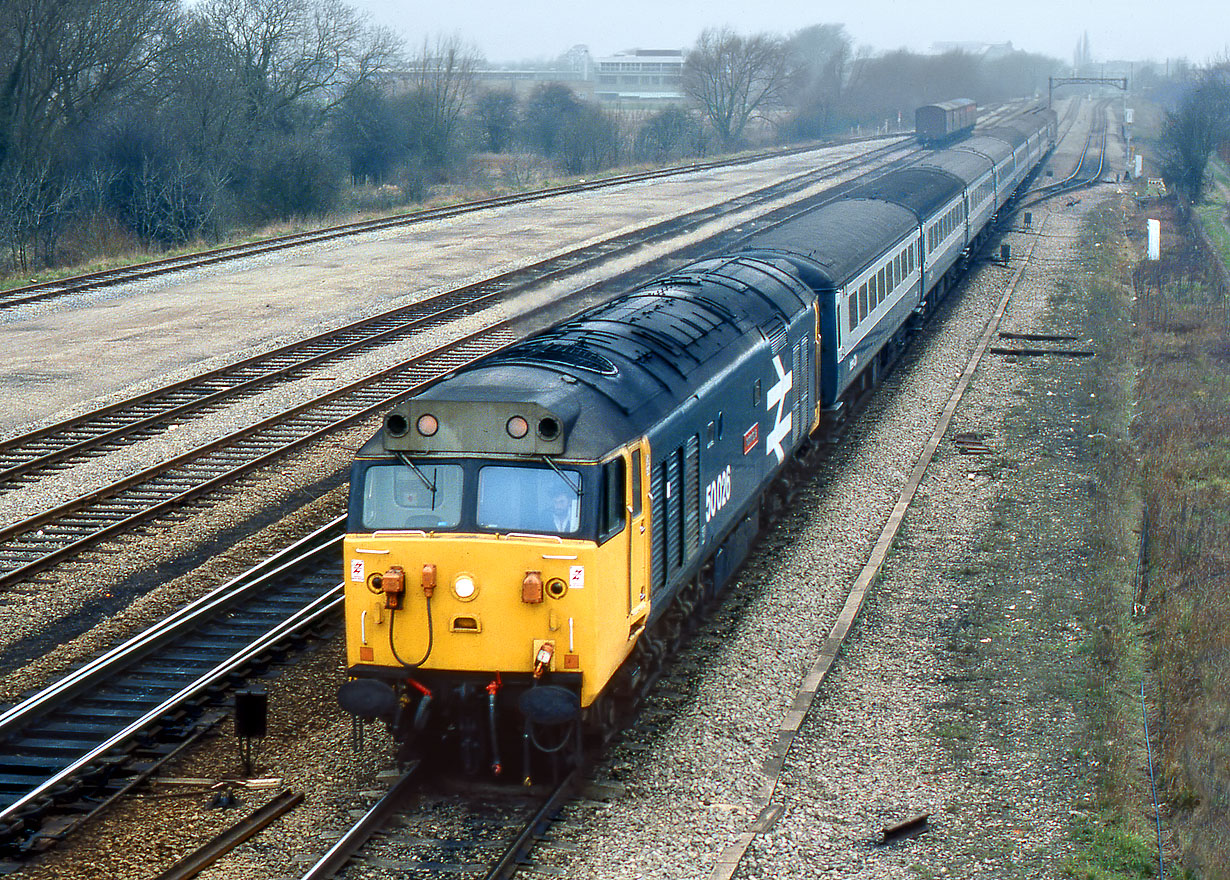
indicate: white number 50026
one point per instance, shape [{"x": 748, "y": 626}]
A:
[{"x": 717, "y": 494}]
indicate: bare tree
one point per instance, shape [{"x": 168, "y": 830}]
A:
[
  {"x": 733, "y": 78},
  {"x": 296, "y": 55},
  {"x": 671, "y": 133},
  {"x": 442, "y": 77},
  {"x": 63, "y": 65},
  {"x": 496, "y": 113},
  {"x": 37, "y": 202},
  {"x": 1193, "y": 130},
  {"x": 577, "y": 133},
  {"x": 61, "y": 60},
  {"x": 820, "y": 55}
]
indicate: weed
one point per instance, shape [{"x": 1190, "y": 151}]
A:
[{"x": 1110, "y": 850}]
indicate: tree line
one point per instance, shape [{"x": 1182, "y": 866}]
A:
[
  {"x": 1196, "y": 123},
  {"x": 162, "y": 123}
]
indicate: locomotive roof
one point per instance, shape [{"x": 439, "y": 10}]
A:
[
  {"x": 923, "y": 188},
  {"x": 610, "y": 373},
  {"x": 963, "y": 164},
  {"x": 838, "y": 239}
]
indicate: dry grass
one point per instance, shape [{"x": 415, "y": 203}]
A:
[{"x": 1183, "y": 434}]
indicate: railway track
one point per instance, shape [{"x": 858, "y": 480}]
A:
[
  {"x": 81, "y": 730},
  {"x": 36, "y": 543},
  {"x": 41, "y": 291},
  {"x": 485, "y": 832},
  {"x": 70, "y": 748},
  {"x": 1089, "y": 169}
]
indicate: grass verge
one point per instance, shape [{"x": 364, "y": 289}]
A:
[{"x": 1183, "y": 440}]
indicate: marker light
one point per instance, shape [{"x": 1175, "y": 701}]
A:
[
  {"x": 517, "y": 427},
  {"x": 464, "y": 587},
  {"x": 428, "y": 425}
]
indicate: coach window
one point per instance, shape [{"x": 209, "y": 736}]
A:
[
  {"x": 710, "y": 435},
  {"x": 853, "y": 310},
  {"x": 862, "y": 301},
  {"x": 611, "y": 516},
  {"x": 756, "y": 393}
]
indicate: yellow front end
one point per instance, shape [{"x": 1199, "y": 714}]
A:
[{"x": 496, "y": 601}]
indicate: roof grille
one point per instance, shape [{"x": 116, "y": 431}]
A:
[{"x": 571, "y": 355}]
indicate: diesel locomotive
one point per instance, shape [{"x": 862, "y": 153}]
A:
[{"x": 527, "y": 535}]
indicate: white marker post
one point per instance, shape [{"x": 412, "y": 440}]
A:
[{"x": 1155, "y": 239}]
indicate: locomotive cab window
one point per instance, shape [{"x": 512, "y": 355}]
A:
[
  {"x": 396, "y": 496},
  {"x": 529, "y": 499},
  {"x": 612, "y": 512}
]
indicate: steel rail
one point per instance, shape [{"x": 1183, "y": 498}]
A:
[
  {"x": 322, "y": 542},
  {"x": 319, "y": 609},
  {"x": 196, "y": 862},
  {"x": 372, "y": 395},
  {"x": 533, "y": 830},
  {"x": 376, "y": 818},
  {"x": 1069, "y": 183}
]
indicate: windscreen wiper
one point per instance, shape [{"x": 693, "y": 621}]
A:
[
  {"x": 575, "y": 487},
  {"x": 431, "y": 486}
]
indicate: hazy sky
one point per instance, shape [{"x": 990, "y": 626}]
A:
[{"x": 518, "y": 29}]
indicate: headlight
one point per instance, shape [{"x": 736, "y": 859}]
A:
[{"x": 464, "y": 587}]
